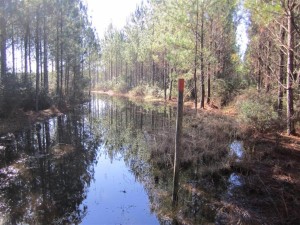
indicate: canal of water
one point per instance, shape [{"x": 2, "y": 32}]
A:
[{"x": 109, "y": 161}]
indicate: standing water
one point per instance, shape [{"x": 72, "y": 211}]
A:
[
  {"x": 115, "y": 196},
  {"x": 110, "y": 162},
  {"x": 76, "y": 169}
]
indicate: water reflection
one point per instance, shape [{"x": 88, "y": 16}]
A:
[
  {"x": 45, "y": 180},
  {"x": 234, "y": 181},
  {"x": 110, "y": 161},
  {"x": 237, "y": 149},
  {"x": 115, "y": 196}
]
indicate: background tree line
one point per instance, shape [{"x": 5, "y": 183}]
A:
[
  {"x": 196, "y": 40},
  {"x": 48, "y": 50},
  {"x": 164, "y": 40},
  {"x": 273, "y": 58}
]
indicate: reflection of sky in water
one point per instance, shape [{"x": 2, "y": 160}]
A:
[
  {"x": 115, "y": 197},
  {"x": 237, "y": 149},
  {"x": 234, "y": 181}
]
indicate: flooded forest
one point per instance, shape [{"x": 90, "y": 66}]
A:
[{"x": 89, "y": 123}]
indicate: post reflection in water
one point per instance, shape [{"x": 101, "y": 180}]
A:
[{"x": 108, "y": 161}]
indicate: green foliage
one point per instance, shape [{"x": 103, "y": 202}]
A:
[
  {"x": 258, "y": 110},
  {"x": 264, "y": 12},
  {"x": 147, "y": 90},
  {"x": 121, "y": 86},
  {"x": 138, "y": 91},
  {"x": 225, "y": 90},
  {"x": 20, "y": 95},
  {"x": 27, "y": 100}
]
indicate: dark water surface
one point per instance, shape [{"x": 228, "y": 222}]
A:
[{"x": 104, "y": 163}]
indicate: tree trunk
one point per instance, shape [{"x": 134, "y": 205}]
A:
[
  {"x": 195, "y": 57},
  {"x": 57, "y": 59},
  {"x": 258, "y": 84},
  {"x": 153, "y": 72},
  {"x": 13, "y": 52},
  {"x": 208, "y": 84},
  {"x": 201, "y": 61},
  {"x": 37, "y": 52},
  {"x": 26, "y": 52},
  {"x": 290, "y": 71},
  {"x": 281, "y": 75},
  {"x": 29, "y": 54},
  {"x": 46, "y": 82},
  {"x": 164, "y": 78},
  {"x": 171, "y": 87},
  {"x": 3, "y": 47},
  {"x": 209, "y": 65}
]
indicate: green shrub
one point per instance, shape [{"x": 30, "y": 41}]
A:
[
  {"x": 257, "y": 110},
  {"x": 121, "y": 87},
  {"x": 154, "y": 91},
  {"x": 138, "y": 91},
  {"x": 224, "y": 91}
]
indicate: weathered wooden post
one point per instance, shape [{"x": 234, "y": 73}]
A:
[{"x": 178, "y": 141}]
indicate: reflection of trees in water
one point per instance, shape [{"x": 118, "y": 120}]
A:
[
  {"x": 54, "y": 162},
  {"x": 52, "y": 170},
  {"x": 125, "y": 127},
  {"x": 145, "y": 138}
]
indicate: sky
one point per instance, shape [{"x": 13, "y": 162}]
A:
[{"x": 104, "y": 12}]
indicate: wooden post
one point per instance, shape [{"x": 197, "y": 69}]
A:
[{"x": 178, "y": 141}]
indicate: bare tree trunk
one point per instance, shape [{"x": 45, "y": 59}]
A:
[
  {"x": 46, "y": 82},
  {"x": 29, "y": 54},
  {"x": 268, "y": 85},
  {"x": 153, "y": 72},
  {"x": 290, "y": 71},
  {"x": 164, "y": 78},
  {"x": 171, "y": 88},
  {"x": 37, "y": 52},
  {"x": 13, "y": 52},
  {"x": 281, "y": 76},
  {"x": 57, "y": 59},
  {"x": 3, "y": 47},
  {"x": 258, "y": 84},
  {"x": 195, "y": 57},
  {"x": 201, "y": 60},
  {"x": 208, "y": 84},
  {"x": 26, "y": 44}
]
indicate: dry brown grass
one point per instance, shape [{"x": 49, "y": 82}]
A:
[{"x": 205, "y": 140}]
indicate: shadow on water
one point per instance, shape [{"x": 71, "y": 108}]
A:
[{"x": 111, "y": 161}]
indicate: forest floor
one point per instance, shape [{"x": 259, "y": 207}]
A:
[{"x": 271, "y": 171}]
